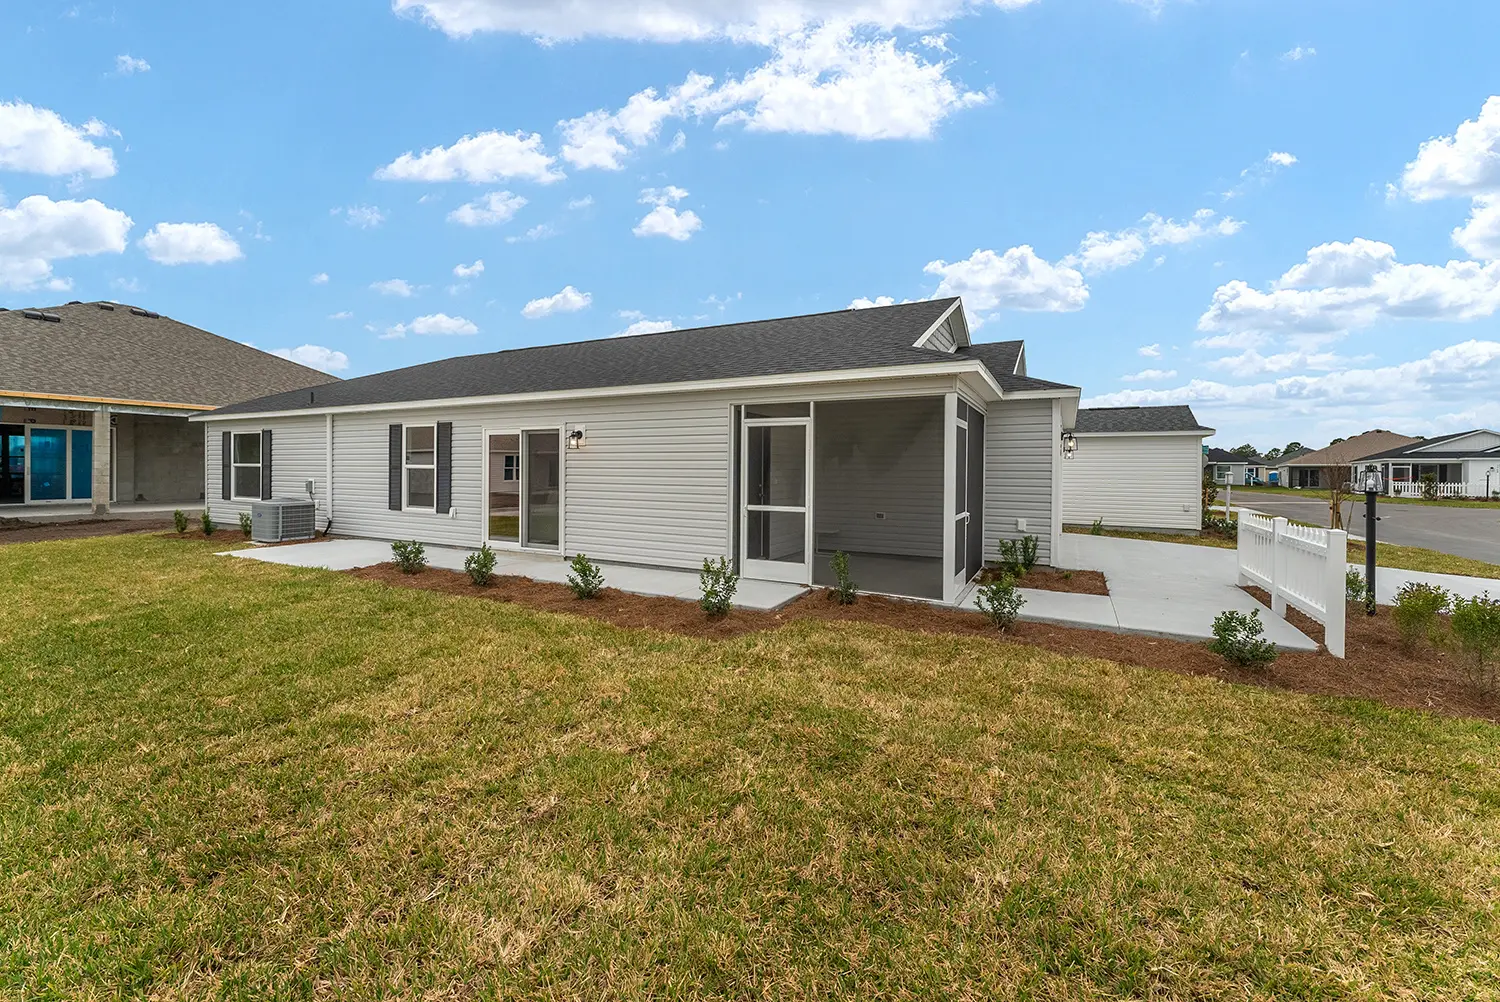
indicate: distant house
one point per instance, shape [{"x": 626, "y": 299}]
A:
[
  {"x": 1310, "y": 470},
  {"x": 1278, "y": 471},
  {"x": 95, "y": 399},
  {"x": 1136, "y": 468},
  {"x": 1225, "y": 467},
  {"x": 1466, "y": 463}
]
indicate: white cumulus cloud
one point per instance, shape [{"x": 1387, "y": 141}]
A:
[
  {"x": 1149, "y": 351},
  {"x": 1015, "y": 280},
  {"x": 1299, "y": 53},
  {"x": 1463, "y": 165},
  {"x": 488, "y": 210},
  {"x": 1480, "y": 236},
  {"x": 321, "y": 278},
  {"x": 432, "y": 325},
  {"x": 666, "y": 221},
  {"x": 483, "y": 158},
  {"x": 190, "y": 243},
  {"x": 37, "y": 231},
  {"x": 127, "y": 65},
  {"x": 863, "y": 303},
  {"x": 38, "y": 141},
  {"x": 569, "y": 300},
  {"x": 364, "y": 217},
  {"x": 315, "y": 356},
  {"x": 646, "y": 327},
  {"x": 1149, "y": 375},
  {"x": 469, "y": 270},
  {"x": 394, "y": 287},
  {"x": 1102, "y": 251}
]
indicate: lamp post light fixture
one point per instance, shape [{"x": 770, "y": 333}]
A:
[
  {"x": 576, "y": 439},
  {"x": 1069, "y": 444},
  {"x": 1371, "y": 482}
]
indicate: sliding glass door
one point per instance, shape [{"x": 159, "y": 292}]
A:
[
  {"x": 49, "y": 464},
  {"x": 524, "y": 489},
  {"x": 12, "y": 464}
]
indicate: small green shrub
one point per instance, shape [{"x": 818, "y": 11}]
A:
[
  {"x": 1216, "y": 526},
  {"x": 1210, "y": 492},
  {"x": 1097, "y": 529},
  {"x": 1475, "y": 623},
  {"x": 410, "y": 556},
  {"x": 1354, "y": 586},
  {"x": 719, "y": 584},
  {"x": 1416, "y": 611},
  {"x": 845, "y": 591},
  {"x": 1429, "y": 483},
  {"x": 180, "y": 521},
  {"x": 1001, "y": 601},
  {"x": 587, "y": 580},
  {"x": 246, "y": 525},
  {"x": 1238, "y": 639},
  {"x": 209, "y": 526},
  {"x": 1017, "y": 556},
  {"x": 480, "y": 566}
]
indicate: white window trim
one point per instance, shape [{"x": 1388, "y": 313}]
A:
[
  {"x": 235, "y": 466},
  {"x": 407, "y": 467}
]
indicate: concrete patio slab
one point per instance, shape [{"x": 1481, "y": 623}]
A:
[
  {"x": 1171, "y": 589},
  {"x": 347, "y": 554}
]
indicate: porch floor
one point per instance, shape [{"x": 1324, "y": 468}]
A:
[
  {"x": 75, "y": 511},
  {"x": 347, "y": 554}
]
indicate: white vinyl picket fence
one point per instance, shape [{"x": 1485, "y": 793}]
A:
[
  {"x": 1299, "y": 566},
  {"x": 1443, "y": 490}
]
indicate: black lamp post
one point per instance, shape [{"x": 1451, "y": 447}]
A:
[{"x": 1372, "y": 486}]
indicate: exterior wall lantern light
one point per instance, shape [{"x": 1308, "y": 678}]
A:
[
  {"x": 575, "y": 438},
  {"x": 1069, "y": 445}
]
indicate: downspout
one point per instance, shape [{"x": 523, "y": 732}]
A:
[{"x": 328, "y": 442}]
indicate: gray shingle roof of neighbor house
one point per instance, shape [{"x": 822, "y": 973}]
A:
[
  {"x": 1126, "y": 420},
  {"x": 1424, "y": 449},
  {"x": 114, "y": 352},
  {"x": 846, "y": 339},
  {"x": 1224, "y": 456},
  {"x": 1000, "y": 358}
]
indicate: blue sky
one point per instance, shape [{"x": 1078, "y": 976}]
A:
[{"x": 1228, "y": 204}]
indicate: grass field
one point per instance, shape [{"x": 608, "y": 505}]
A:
[
  {"x": 226, "y": 779},
  {"x": 1406, "y": 558}
]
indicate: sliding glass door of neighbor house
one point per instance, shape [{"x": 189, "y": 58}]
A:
[
  {"x": 12, "y": 464},
  {"x": 524, "y": 489},
  {"x": 48, "y": 474},
  {"x": 775, "y": 460}
]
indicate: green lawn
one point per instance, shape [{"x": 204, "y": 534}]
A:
[
  {"x": 226, "y": 779},
  {"x": 505, "y": 527},
  {"x": 1360, "y": 498},
  {"x": 1407, "y": 558}
]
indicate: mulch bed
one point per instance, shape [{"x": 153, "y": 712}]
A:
[
  {"x": 1375, "y": 668},
  {"x": 1055, "y": 579},
  {"x": 232, "y": 536},
  {"x": 22, "y": 530}
]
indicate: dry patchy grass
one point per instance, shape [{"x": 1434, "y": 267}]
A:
[{"x": 227, "y": 779}]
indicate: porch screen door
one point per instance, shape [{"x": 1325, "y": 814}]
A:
[{"x": 774, "y": 527}]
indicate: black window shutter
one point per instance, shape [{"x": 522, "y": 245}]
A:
[
  {"x": 226, "y": 461},
  {"x": 444, "y": 466},
  {"x": 395, "y": 472},
  {"x": 265, "y": 465}
]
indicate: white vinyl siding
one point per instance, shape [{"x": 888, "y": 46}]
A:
[
  {"x": 298, "y": 454},
  {"x": 652, "y": 484},
  {"x": 1479, "y": 441},
  {"x": 1135, "y": 482},
  {"x": 943, "y": 339},
  {"x": 1020, "y": 454}
]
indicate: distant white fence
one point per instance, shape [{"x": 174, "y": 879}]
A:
[
  {"x": 1443, "y": 490},
  {"x": 1298, "y": 566}
]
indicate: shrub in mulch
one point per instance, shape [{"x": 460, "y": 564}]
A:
[
  {"x": 1051, "y": 579},
  {"x": 1375, "y": 668}
]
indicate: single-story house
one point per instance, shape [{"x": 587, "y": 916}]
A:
[
  {"x": 1136, "y": 468},
  {"x": 1279, "y": 472},
  {"x": 1225, "y": 467},
  {"x": 1310, "y": 469},
  {"x": 882, "y": 433},
  {"x": 1470, "y": 458},
  {"x": 95, "y": 397}
]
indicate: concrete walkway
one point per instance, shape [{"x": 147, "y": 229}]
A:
[
  {"x": 1161, "y": 589},
  {"x": 347, "y": 554}
]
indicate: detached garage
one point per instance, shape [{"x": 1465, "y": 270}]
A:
[{"x": 1136, "y": 468}]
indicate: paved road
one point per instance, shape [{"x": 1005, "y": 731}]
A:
[{"x": 1463, "y": 532}]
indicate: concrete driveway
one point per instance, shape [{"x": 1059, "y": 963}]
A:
[{"x": 1463, "y": 532}]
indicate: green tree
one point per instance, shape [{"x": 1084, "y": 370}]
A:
[{"x": 1246, "y": 451}]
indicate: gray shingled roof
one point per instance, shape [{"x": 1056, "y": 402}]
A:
[
  {"x": 1103, "y": 420},
  {"x": 1225, "y": 456},
  {"x": 120, "y": 355},
  {"x": 847, "y": 339},
  {"x": 1000, "y": 358},
  {"x": 1423, "y": 450}
]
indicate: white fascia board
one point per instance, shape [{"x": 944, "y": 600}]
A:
[
  {"x": 1141, "y": 434},
  {"x": 956, "y": 367},
  {"x": 921, "y": 342}
]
